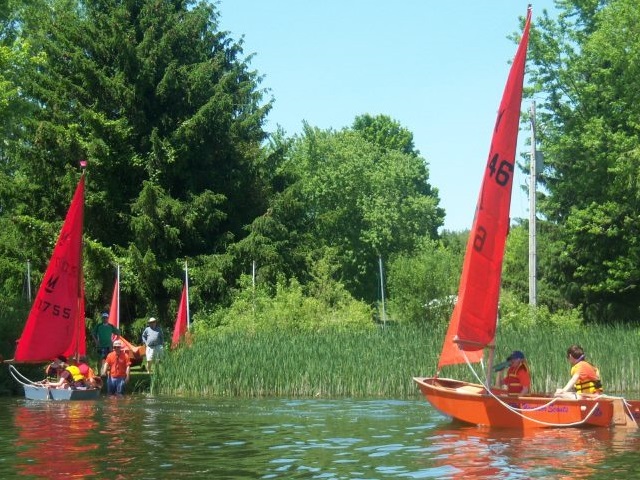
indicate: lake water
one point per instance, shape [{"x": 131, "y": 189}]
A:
[{"x": 145, "y": 437}]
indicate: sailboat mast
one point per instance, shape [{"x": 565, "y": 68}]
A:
[{"x": 533, "y": 287}]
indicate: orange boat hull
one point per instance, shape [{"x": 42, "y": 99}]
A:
[{"x": 470, "y": 403}]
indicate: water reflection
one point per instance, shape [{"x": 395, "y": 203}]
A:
[
  {"x": 119, "y": 430},
  {"x": 53, "y": 439},
  {"x": 151, "y": 437},
  {"x": 567, "y": 453}
]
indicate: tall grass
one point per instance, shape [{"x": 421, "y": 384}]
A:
[{"x": 376, "y": 363}]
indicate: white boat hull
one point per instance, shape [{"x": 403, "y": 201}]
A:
[{"x": 38, "y": 392}]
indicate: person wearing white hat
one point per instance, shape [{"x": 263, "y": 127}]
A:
[
  {"x": 153, "y": 339},
  {"x": 116, "y": 366}
]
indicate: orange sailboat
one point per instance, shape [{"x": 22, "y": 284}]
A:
[{"x": 473, "y": 323}]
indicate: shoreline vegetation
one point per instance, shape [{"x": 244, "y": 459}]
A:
[
  {"x": 378, "y": 363},
  {"x": 375, "y": 363}
]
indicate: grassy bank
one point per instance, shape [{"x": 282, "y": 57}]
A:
[{"x": 378, "y": 363}]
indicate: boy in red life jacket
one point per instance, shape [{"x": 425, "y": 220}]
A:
[{"x": 517, "y": 379}]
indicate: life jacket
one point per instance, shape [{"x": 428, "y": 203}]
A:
[
  {"x": 589, "y": 380},
  {"x": 512, "y": 380},
  {"x": 76, "y": 377}
]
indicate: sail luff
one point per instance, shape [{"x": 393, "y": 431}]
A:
[
  {"x": 114, "y": 308},
  {"x": 186, "y": 285},
  {"x": 474, "y": 318}
]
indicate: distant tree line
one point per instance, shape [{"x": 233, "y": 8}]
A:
[{"x": 169, "y": 115}]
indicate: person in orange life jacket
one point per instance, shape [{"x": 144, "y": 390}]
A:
[
  {"x": 585, "y": 378},
  {"x": 91, "y": 379},
  {"x": 117, "y": 365},
  {"x": 517, "y": 379},
  {"x": 70, "y": 377}
]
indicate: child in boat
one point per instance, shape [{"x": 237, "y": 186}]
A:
[
  {"x": 70, "y": 377},
  {"x": 91, "y": 379},
  {"x": 55, "y": 368},
  {"x": 585, "y": 378},
  {"x": 517, "y": 379}
]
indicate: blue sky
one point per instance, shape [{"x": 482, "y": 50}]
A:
[{"x": 437, "y": 67}]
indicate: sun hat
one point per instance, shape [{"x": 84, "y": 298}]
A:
[
  {"x": 152, "y": 319},
  {"x": 117, "y": 343},
  {"x": 516, "y": 354}
]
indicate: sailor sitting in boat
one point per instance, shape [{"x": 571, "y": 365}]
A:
[
  {"x": 70, "y": 377},
  {"x": 517, "y": 379},
  {"x": 585, "y": 378},
  {"x": 55, "y": 368}
]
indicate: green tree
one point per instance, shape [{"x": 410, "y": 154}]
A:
[
  {"x": 343, "y": 193},
  {"x": 584, "y": 63},
  {"x": 166, "y": 110},
  {"x": 423, "y": 284}
]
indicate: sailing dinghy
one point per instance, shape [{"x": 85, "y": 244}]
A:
[
  {"x": 56, "y": 323},
  {"x": 473, "y": 324}
]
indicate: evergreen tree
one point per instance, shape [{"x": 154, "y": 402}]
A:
[{"x": 168, "y": 114}]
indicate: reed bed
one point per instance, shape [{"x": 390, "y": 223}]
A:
[{"x": 377, "y": 363}]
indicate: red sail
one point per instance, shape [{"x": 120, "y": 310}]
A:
[
  {"x": 180, "y": 328},
  {"x": 473, "y": 322},
  {"x": 115, "y": 307},
  {"x": 54, "y": 323}
]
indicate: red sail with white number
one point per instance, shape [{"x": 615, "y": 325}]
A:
[
  {"x": 473, "y": 322},
  {"x": 56, "y": 324}
]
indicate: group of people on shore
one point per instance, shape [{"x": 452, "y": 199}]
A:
[
  {"x": 515, "y": 377},
  {"x": 114, "y": 360}
]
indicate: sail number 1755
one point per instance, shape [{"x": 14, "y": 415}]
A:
[{"x": 55, "y": 310}]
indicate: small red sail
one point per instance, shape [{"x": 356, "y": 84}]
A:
[
  {"x": 115, "y": 307},
  {"x": 180, "y": 328},
  {"x": 474, "y": 318},
  {"x": 54, "y": 325}
]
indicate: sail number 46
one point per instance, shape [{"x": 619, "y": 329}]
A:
[
  {"x": 502, "y": 172},
  {"x": 56, "y": 310}
]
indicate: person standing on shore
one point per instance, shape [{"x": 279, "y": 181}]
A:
[
  {"x": 103, "y": 336},
  {"x": 153, "y": 340}
]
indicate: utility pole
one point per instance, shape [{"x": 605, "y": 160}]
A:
[{"x": 532, "y": 213}]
